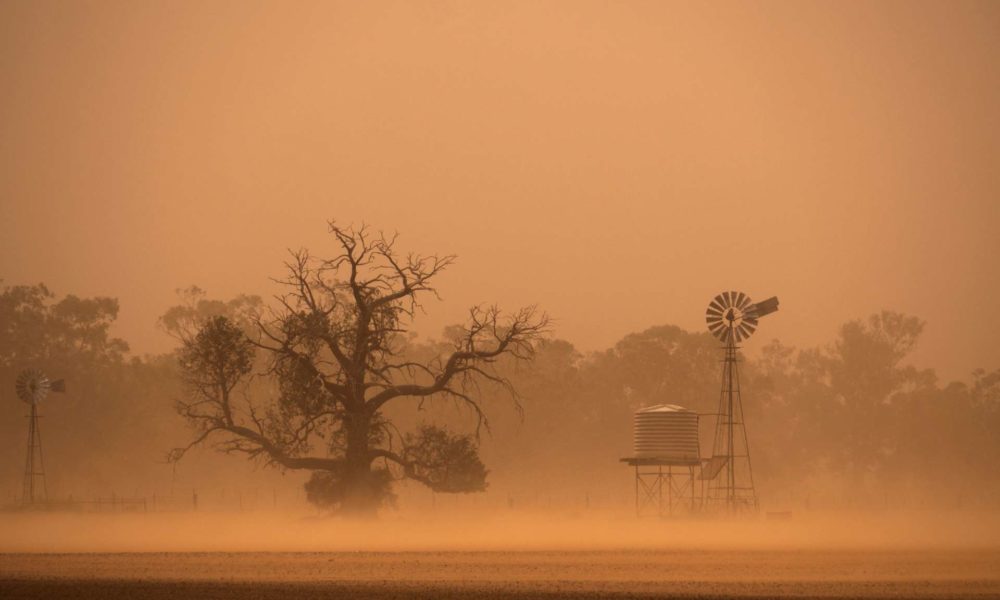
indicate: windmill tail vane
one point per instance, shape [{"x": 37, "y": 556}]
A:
[{"x": 764, "y": 307}]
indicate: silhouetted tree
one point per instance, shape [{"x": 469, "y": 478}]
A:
[
  {"x": 865, "y": 369},
  {"x": 335, "y": 348},
  {"x": 182, "y": 322},
  {"x": 36, "y": 330}
]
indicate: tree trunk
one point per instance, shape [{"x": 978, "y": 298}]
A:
[{"x": 361, "y": 498}]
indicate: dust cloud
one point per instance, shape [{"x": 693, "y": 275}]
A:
[
  {"x": 573, "y": 154},
  {"x": 472, "y": 531}
]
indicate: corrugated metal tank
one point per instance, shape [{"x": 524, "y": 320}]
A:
[{"x": 666, "y": 431}]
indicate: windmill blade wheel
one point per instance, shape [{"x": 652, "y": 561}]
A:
[{"x": 728, "y": 317}]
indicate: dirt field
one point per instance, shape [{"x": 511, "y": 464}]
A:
[
  {"x": 488, "y": 555},
  {"x": 672, "y": 574}
]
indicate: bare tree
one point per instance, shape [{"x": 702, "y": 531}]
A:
[{"x": 335, "y": 345}]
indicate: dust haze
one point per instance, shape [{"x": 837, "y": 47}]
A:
[
  {"x": 570, "y": 154},
  {"x": 378, "y": 287},
  {"x": 448, "y": 528}
]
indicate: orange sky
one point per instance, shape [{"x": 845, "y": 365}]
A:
[{"x": 617, "y": 163}]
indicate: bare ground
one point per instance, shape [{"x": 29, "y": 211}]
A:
[{"x": 507, "y": 574}]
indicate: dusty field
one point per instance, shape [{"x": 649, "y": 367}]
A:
[
  {"x": 497, "y": 574},
  {"x": 489, "y": 555}
]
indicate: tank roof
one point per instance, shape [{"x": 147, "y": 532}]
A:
[{"x": 662, "y": 408}]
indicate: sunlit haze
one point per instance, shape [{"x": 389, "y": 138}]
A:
[{"x": 616, "y": 163}]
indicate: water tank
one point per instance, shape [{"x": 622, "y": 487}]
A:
[{"x": 666, "y": 432}]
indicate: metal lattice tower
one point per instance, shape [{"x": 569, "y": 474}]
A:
[
  {"x": 32, "y": 387},
  {"x": 33, "y": 489},
  {"x": 732, "y": 318}
]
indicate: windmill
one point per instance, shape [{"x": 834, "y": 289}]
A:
[
  {"x": 732, "y": 318},
  {"x": 32, "y": 387}
]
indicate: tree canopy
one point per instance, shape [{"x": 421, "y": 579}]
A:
[{"x": 335, "y": 352}]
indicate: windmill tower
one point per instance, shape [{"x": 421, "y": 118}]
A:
[
  {"x": 732, "y": 318},
  {"x": 32, "y": 387}
]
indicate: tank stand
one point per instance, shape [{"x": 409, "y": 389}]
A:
[{"x": 663, "y": 489}]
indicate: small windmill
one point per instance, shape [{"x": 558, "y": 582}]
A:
[
  {"x": 32, "y": 387},
  {"x": 732, "y": 318}
]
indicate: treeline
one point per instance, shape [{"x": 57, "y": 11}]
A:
[
  {"x": 845, "y": 424},
  {"x": 849, "y": 423},
  {"x": 111, "y": 430}
]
